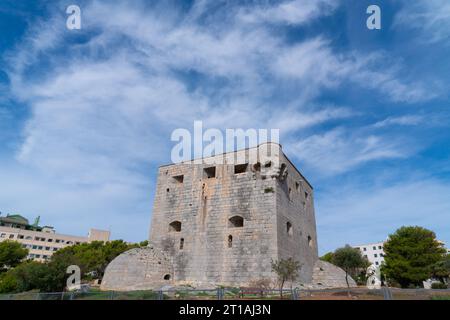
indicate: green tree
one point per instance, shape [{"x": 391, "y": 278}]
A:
[
  {"x": 11, "y": 254},
  {"x": 27, "y": 276},
  {"x": 411, "y": 254},
  {"x": 286, "y": 270},
  {"x": 350, "y": 260},
  {"x": 92, "y": 258},
  {"x": 441, "y": 269},
  {"x": 328, "y": 257}
]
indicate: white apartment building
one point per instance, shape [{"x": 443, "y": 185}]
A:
[
  {"x": 42, "y": 242},
  {"x": 374, "y": 252}
]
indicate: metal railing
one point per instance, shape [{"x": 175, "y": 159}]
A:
[{"x": 243, "y": 294}]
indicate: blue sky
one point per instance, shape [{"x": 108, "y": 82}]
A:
[{"x": 86, "y": 115}]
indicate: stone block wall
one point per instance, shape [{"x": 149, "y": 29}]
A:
[{"x": 197, "y": 215}]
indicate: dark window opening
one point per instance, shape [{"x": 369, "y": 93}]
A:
[
  {"x": 257, "y": 167},
  {"x": 167, "y": 277},
  {"x": 297, "y": 186},
  {"x": 306, "y": 195},
  {"x": 236, "y": 222},
  {"x": 240, "y": 168},
  {"x": 179, "y": 178},
  {"x": 175, "y": 226},
  {"x": 268, "y": 164},
  {"x": 167, "y": 189},
  {"x": 209, "y": 172},
  {"x": 289, "y": 228},
  {"x": 310, "y": 242},
  {"x": 181, "y": 243},
  {"x": 230, "y": 241}
]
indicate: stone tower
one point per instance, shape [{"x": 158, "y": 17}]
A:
[{"x": 221, "y": 220}]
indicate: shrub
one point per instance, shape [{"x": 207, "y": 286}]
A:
[{"x": 438, "y": 285}]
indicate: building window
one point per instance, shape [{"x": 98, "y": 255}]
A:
[
  {"x": 297, "y": 186},
  {"x": 289, "y": 228},
  {"x": 181, "y": 243},
  {"x": 240, "y": 168},
  {"x": 306, "y": 195},
  {"x": 209, "y": 173},
  {"x": 20, "y": 236},
  {"x": 380, "y": 247},
  {"x": 381, "y": 255},
  {"x": 230, "y": 241},
  {"x": 28, "y": 238},
  {"x": 310, "y": 241},
  {"x": 374, "y": 248},
  {"x": 236, "y": 222},
  {"x": 11, "y": 236},
  {"x": 376, "y": 263},
  {"x": 375, "y": 255},
  {"x": 47, "y": 248},
  {"x": 167, "y": 277},
  {"x": 365, "y": 249},
  {"x": 3, "y": 235},
  {"x": 34, "y": 247},
  {"x": 179, "y": 179},
  {"x": 50, "y": 240},
  {"x": 40, "y": 248},
  {"x": 175, "y": 226}
]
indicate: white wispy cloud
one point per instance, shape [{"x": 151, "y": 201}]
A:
[
  {"x": 102, "y": 110},
  {"x": 407, "y": 120},
  {"x": 339, "y": 150},
  {"x": 292, "y": 12},
  {"x": 430, "y": 18}
]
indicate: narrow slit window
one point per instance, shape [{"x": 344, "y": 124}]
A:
[
  {"x": 310, "y": 241},
  {"x": 289, "y": 228},
  {"x": 230, "y": 241},
  {"x": 181, "y": 243}
]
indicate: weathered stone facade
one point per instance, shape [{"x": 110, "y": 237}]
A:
[
  {"x": 222, "y": 220},
  {"x": 327, "y": 275},
  {"x": 212, "y": 246},
  {"x": 138, "y": 269}
]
